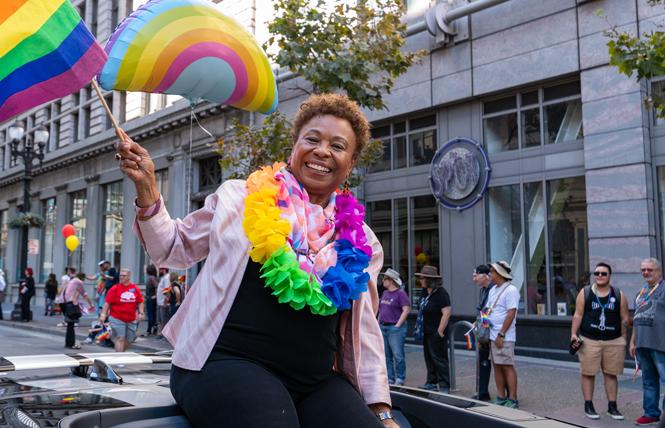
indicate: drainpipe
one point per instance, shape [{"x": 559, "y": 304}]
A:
[{"x": 443, "y": 15}]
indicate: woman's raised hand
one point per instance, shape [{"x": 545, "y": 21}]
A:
[{"x": 135, "y": 163}]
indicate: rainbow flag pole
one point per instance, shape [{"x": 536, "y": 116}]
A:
[{"x": 46, "y": 52}]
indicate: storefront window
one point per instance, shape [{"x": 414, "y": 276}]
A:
[
  {"x": 4, "y": 235},
  {"x": 381, "y": 220},
  {"x": 77, "y": 218},
  {"x": 500, "y": 133},
  {"x": 402, "y": 234},
  {"x": 48, "y": 238},
  {"x": 549, "y": 259},
  {"x": 425, "y": 234},
  {"x": 563, "y": 121},
  {"x": 112, "y": 237},
  {"x": 658, "y": 92}
]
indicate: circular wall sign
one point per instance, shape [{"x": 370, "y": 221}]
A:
[{"x": 459, "y": 173}]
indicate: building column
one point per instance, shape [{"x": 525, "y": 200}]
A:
[
  {"x": 13, "y": 244},
  {"x": 130, "y": 257},
  {"x": 177, "y": 203},
  {"x": 619, "y": 175},
  {"x": 93, "y": 226},
  {"x": 60, "y": 250}
]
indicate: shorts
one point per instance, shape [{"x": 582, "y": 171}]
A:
[
  {"x": 606, "y": 354},
  {"x": 163, "y": 315},
  {"x": 123, "y": 330},
  {"x": 503, "y": 356}
]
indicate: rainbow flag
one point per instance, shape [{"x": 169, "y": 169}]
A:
[{"x": 46, "y": 52}]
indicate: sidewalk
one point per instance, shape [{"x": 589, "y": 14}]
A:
[{"x": 49, "y": 324}]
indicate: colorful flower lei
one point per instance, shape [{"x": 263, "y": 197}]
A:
[{"x": 268, "y": 233}]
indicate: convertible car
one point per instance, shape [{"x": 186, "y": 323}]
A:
[{"x": 131, "y": 390}]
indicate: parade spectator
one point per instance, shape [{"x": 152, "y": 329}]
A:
[
  {"x": 503, "y": 300},
  {"x": 123, "y": 301},
  {"x": 100, "y": 278},
  {"x": 151, "y": 298},
  {"x": 3, "y": 291},
  {"x": 69, "y": 274},
  {"x": 269, "y": 345},
  {"x": 174, "y": 294},
  {"x": 599, "y": 330},
  {"x": 26, "y": 291},
  {"x": 50, "y": 293},
  {"x": 648, "y": 339},
  {"x": 393, "y": 310},
  {"x": 71, "y": 308},
  {"x": 481, "y": 277},
  {"x": 163, "y": 309},
  {"x": 436, "y": 314}
]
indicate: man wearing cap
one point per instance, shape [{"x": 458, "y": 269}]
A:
[
  {"x": 481, "y": 277},
  {"x": 502, "y": 302},
  {"x": 393, "y": 311}
]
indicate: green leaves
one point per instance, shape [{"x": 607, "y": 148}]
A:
[{"x": 355, "y": 48}]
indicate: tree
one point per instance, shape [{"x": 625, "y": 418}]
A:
[
  {"x": 355, "y": 48},
  {"x": 642, "y": 56}
]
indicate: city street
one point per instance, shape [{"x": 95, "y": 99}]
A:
[{"x": 546, "y": 387}]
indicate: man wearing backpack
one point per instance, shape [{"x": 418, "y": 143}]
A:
[{"x": 599, "y": 330}]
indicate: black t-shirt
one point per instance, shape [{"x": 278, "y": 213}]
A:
[
  {"x": 51, "y": 289},
  {"x": 297, "y": 346},
  {"x": 592, "y": 326},
  {"x": 436, "y": 301}
]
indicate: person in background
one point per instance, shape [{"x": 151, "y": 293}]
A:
[
  {"x": 72, "y": 309},
  {"x": 100, "y": 278},
  {"x": 481, "y": 277},
  {"x": 601, "y": 320},
  {"x": 436, "y": 314},
  {"x": 123, "y": 305},
  {"x": 648, "y": 339},
  {"x": 502, "y": 301},
  {"x": 69, "y": 274},
  {"x": 393, "y": 310},
  {"x": 27, "y": 291},
  {"x": 3, "y": 291},
  {"x": 163, "y": 308},
  {"x": 50, "y": 293},
  {"x": 151, "y": 298},
  {"x": 174, "y": 294}
]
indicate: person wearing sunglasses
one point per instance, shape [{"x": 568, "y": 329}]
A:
[
  {"x": 647, "y": 343},
  {"x": 599, "y": 331}
]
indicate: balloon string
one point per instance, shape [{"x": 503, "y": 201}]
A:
[{"x": 201, "y": 126}]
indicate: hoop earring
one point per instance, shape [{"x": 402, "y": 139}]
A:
[{"x": 347, "y": 186}]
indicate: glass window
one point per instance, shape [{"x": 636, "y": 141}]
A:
[
  {"x": 561, "y": 91},
  {"x": 536, "y": 273},
  {"x": 383, "y": 164},
  {"x": 423, "y": 147},
  {"x": 402, "y": 236},
  {"x": 531, "y": 127},
  {"x": 379, "y": 218},
  {"x": 567, "y": 235},
  {"x": 399, "y": 128},
  {"x": 529, "y": 98},
  {"x": 210, "y": 173},
  {"x": 48, "y": 238},
  {"x": 4, "y": 235},
  {"x": 658, "y": 92},
  {"x": 399, "y": 152},
  {"x": 425, "y": 234},
  {"x": 422, "y": 122},
  {"x": 504, "y": 228},
  {"x": 77, "y": 218},
  {"x": 563, "y": 122},
  {"x": 502, "y": 104},
  {"x": 112, "y": 236},
  {"x": 75, "y": 126},
  {"x": 500, "y": 133}
]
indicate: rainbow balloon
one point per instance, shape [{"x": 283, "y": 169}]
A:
[{"x": 189, "y": 48}]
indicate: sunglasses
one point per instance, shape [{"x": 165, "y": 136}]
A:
[{"x": 601, "y": 274}]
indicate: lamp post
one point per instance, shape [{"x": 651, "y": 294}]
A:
[{"x": 23, "y": 146}]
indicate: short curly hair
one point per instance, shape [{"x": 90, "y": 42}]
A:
[{"x": 336, "y": 105}]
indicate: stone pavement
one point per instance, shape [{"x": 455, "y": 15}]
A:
[
  {"x": 546, "y": 387},
  {"x": 49, "y": 324}
]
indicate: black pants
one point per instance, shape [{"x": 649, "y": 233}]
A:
[
  {"x": 435, "y": 349},
  {"x": 1, "y": 316},
  {"x": 240, "y": 393},
  {"x": 151, "y": 307},
  {"x": 25, "y": 308},
  {"x": 484, "y": 369},
  {"x": 70, "y": 336}
]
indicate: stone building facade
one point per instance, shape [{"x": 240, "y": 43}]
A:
[{"x": 576, "y": 157}]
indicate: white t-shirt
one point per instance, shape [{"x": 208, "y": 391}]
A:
[
  {"x": 3, "y": 284},
  {"x": 163, "y": 285},
  {"x": 508, "y": 299}
]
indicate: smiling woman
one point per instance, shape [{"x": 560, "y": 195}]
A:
[{"x": 290, "y": 329}]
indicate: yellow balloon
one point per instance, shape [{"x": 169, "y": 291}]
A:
[{"x": 72, "y": 242}]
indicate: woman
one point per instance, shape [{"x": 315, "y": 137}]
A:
[
  {"x": 393, "y": 310},
  {"x": 50, "y": 292},
  {"x": 175, "y": 293},
  {"x": 314, "y": 360},
  {"x": 27, "y": 290},
  {"x": 436, "y": 314},
  {"x": 151, "y": 298},
  {"x": 71, "y": 307}
]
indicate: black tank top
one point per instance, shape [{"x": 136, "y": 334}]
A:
[
  {"x": 296, "y": 346},
  {"x": 592, "y": 325}
]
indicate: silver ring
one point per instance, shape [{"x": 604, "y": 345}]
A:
[{"x": 118, "y": 157}]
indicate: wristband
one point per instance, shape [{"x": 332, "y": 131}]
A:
[
  {"x": 384, "y": 415},
  {"x": 501, "y": 335}
]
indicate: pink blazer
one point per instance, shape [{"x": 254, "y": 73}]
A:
[{"x": 215, "y": 233}]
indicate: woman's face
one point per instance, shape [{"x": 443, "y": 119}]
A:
[
  {"x": 323, "y": 156},
  {"x": 389, "y": 283}
]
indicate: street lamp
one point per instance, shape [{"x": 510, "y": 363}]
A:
[{"x": 28, "y": 153}]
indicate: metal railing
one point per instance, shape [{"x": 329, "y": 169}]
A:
[{"x": 451, "y": 350}]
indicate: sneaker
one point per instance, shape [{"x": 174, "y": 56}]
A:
[
  {"x": 429, "y": 387},
  {"x": 391, "y": 381},
  {"x": 512, "y": 404},
  {"x": 499, "y": 401},
  {"x": 613, "y": 411},
  {"x": 646, "y": 420},
  {"x": 590, "y": 411},
  {"x": 399, "y": 382}
]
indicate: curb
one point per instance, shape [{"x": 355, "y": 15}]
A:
[{"x": 51, "y": 330}]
